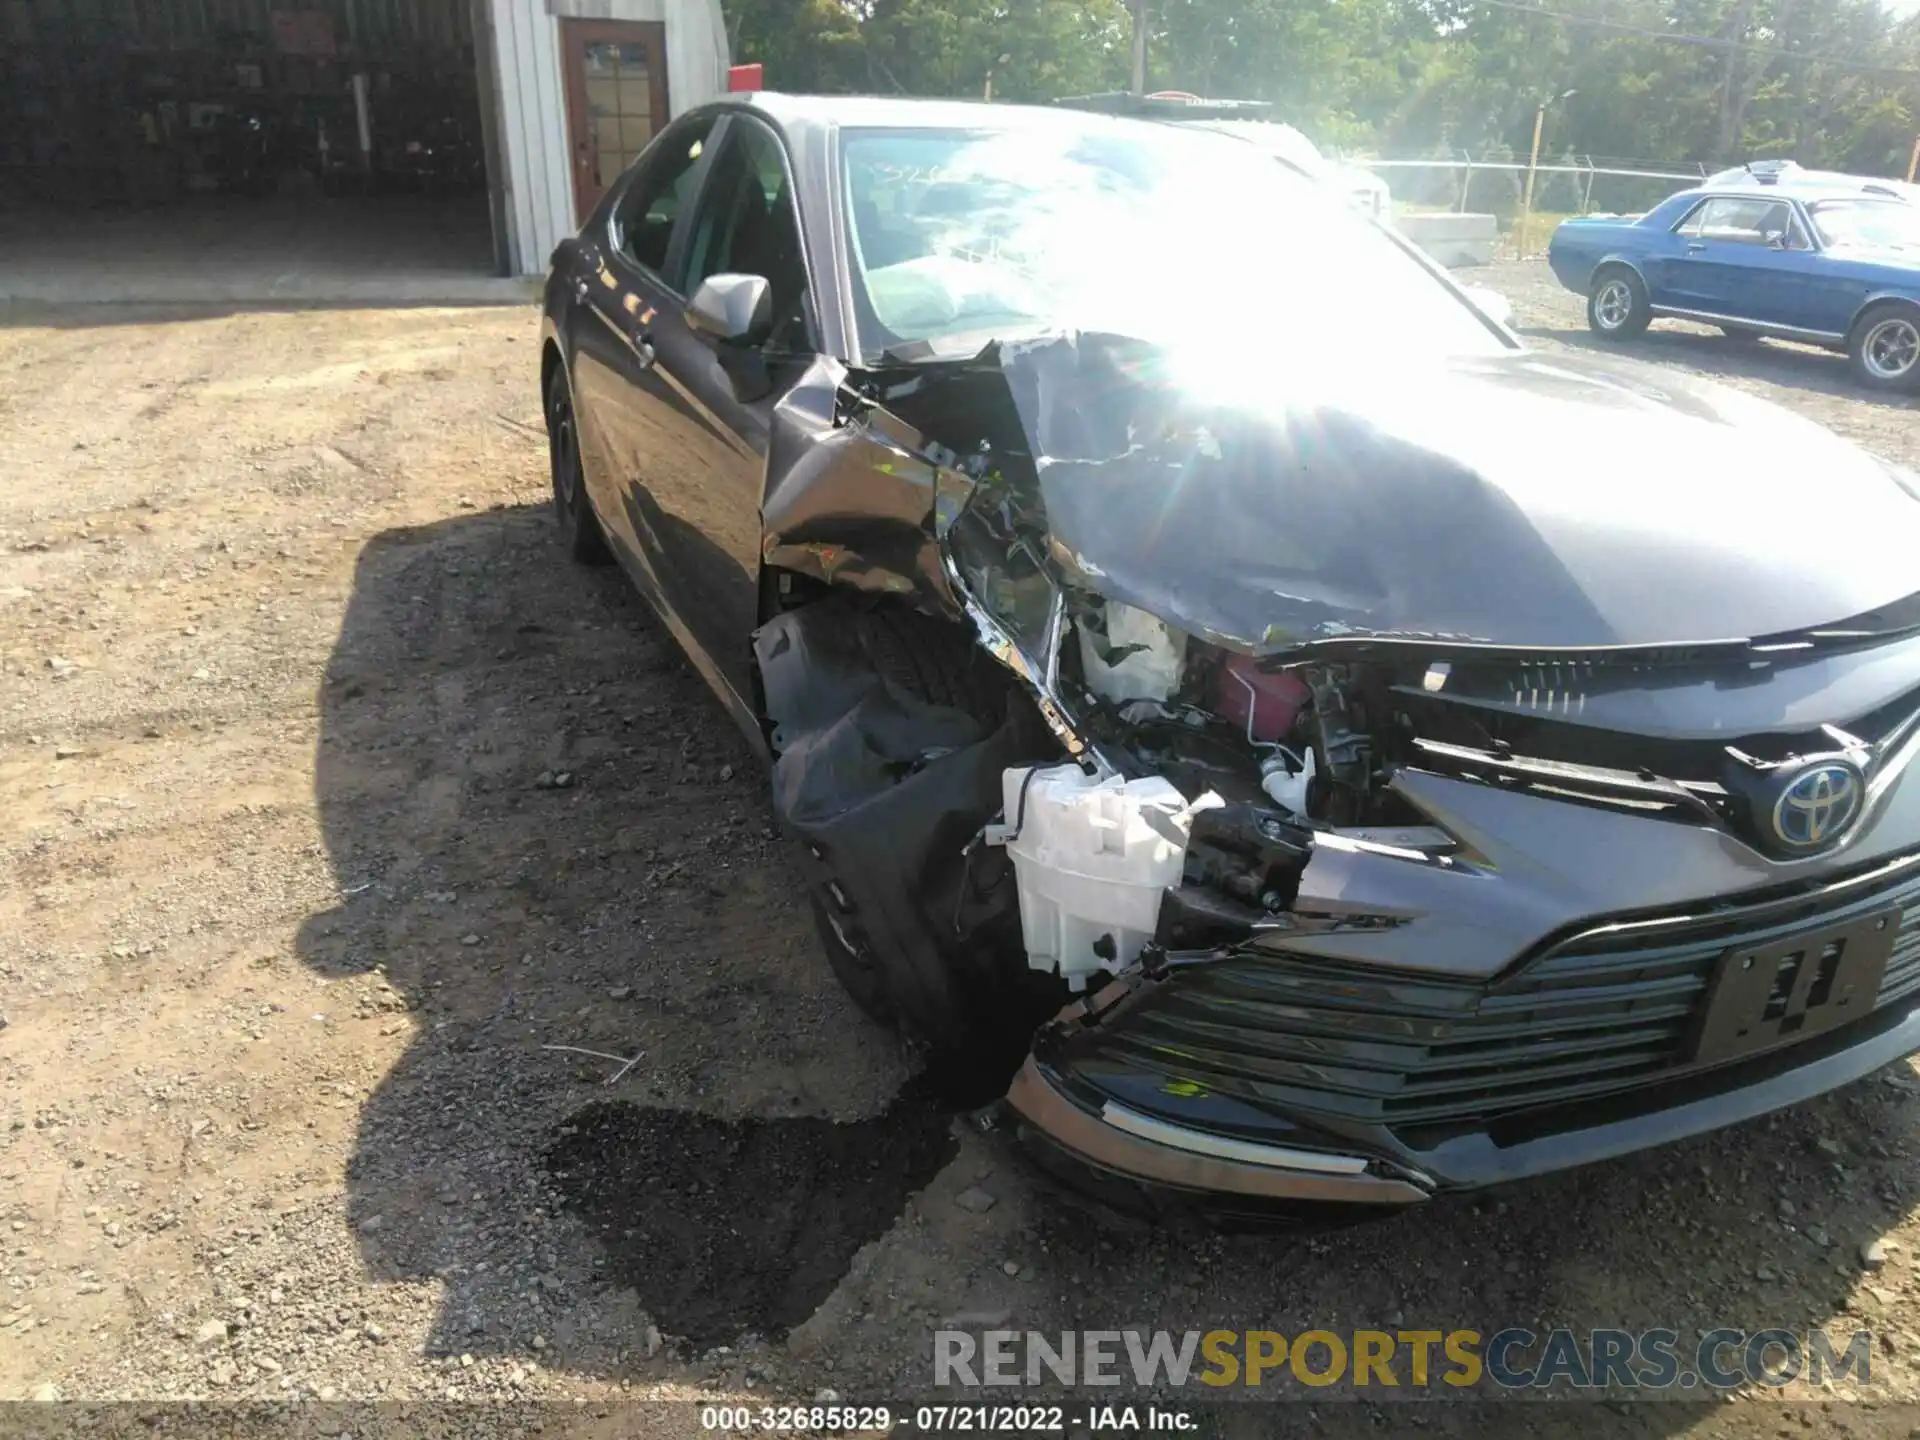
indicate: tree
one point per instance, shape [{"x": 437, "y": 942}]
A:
[{"x": 1834, "y": 83}]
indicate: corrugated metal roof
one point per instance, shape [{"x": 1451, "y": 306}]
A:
[{"x": 359, "y": 26}]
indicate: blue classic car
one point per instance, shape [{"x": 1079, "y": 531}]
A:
[{"x": 1830, "y": 264}]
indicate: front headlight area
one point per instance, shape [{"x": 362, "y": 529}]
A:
[
  {"x": 1196, "y": 779},
  {"x": 1199, "y": 778}
]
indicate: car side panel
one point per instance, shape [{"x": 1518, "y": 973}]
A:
[
  {"x": 612, "y": 311},
  {"x": 1827, "y": 291},
  {"x": 1753, "y": 282},
  {"x": 1872, "y": 284},
  {"x": 1680, "y": 270},
  {"x": 1580, "y": 247}
]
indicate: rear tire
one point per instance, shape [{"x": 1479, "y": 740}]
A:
[
  {"x": 1884, "y": 348},
  {"x": 572, "y": 511},
  {"x": 1617, "y": 307}
]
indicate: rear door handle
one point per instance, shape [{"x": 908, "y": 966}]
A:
[
  {"x": 643, "y": 349},
  {"x": 581, "y": 290}
]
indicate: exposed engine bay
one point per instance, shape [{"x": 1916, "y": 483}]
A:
[{"x": 1246, "y": 647}]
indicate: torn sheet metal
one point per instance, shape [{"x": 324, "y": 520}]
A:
[
  {"x": 852, "y": 500},
  {"x": 862, "y": 498}
]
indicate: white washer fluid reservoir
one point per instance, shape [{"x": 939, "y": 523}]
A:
[{"x": 1092, "y": 857}]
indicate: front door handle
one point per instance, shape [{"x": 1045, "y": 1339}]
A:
[
  {"x": 581, "y": 290},
  {"x": 1695, "y": 247},
  {"x": 643, "y": 349}
]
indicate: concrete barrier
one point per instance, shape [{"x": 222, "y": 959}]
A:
[{"x": 1453, "y": 240}]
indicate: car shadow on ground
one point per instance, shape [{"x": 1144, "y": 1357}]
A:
[
  {"x": 1781, "y": 362},
  {"x": 544, "y": 832},
  {"x": 90, "y": 315}
]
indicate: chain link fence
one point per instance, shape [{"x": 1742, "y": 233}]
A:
[{"x": 1569, "y": 185}]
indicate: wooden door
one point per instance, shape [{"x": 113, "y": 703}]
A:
[{"x": 616, "y": 76}]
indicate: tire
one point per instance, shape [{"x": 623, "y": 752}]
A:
[
  {"x": 1617, "y": 307},
  {"x": 571, "y": 509},
  {"x": 854, "y": 965},
  {"x": 1884, "y": 348},
  {"x": 972, "y": 1007},
  {"x": 1740, "y": 333},
  {"x": 933, "y": 663}
]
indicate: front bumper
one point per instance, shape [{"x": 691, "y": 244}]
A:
[
  {"x": 1390, "y": 1175},
  {"x": 1285, "y": 1077},
  {"x": 1192, "y": 1160}
]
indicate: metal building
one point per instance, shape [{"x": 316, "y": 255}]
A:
[{"x": 448, "y": 133}]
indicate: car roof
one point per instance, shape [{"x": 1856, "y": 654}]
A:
[
  {"x": 889, "y": 112},
  {"x": 1807, "y": 192},
  {"x": 1773, "y": 172},
  {"x": 1275, "y": 136}
]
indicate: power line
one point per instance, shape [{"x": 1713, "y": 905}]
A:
[{"x": 1710, "y": 42}]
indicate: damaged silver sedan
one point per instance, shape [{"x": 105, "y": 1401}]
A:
[{"x": 1231, "y": 698}]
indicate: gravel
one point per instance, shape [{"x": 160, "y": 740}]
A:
[{"x": 281, "y": 947}]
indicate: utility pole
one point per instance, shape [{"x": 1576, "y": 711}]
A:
[
  {"x": 1913, "y": 160},
  {"x": 1533, "y": 163},
  {"x": 1139, "y": 8},
  {"x": 987, "y": 94}
]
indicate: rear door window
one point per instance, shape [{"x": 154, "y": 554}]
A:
[
  {"x": 658, "y": 193},
  {"x": 1742, "y": 220}
]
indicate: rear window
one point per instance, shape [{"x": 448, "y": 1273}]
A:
[{"x": 1867, "y": 222}]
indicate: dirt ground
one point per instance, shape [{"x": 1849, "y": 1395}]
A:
[{"x": 339, "y": 815}]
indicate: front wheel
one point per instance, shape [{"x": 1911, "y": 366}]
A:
[
  {"x": 1617, "y": 306},
  {"x": 937, "y": 666},
  {"x": 1884, "y": 349}
]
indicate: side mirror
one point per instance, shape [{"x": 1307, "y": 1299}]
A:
[
  {"x": 1490, "y": 303},
  {"x": 732, "y": 309},
  {"x": 734, "y": 314}
]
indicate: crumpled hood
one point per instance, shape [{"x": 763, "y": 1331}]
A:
[{"x": 1519, "y": 499}]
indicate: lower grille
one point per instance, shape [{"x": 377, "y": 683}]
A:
[{"x": 1601, "y": 1012}]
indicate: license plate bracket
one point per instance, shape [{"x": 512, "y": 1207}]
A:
[{"x": 1801, "y": 985}]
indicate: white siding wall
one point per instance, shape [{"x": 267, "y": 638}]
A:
[{"x": 533, "y": 109}]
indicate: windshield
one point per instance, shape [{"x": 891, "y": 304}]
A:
[
  {"x": 1155, "y": 232},
  {"x": 1867, "y": 222}
]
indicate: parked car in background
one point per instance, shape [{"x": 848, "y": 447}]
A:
[
  {"x": 1796, "y": 259},
  {"x": 1768, "y": 172},
  {"x": 1250, "y": 120}
]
